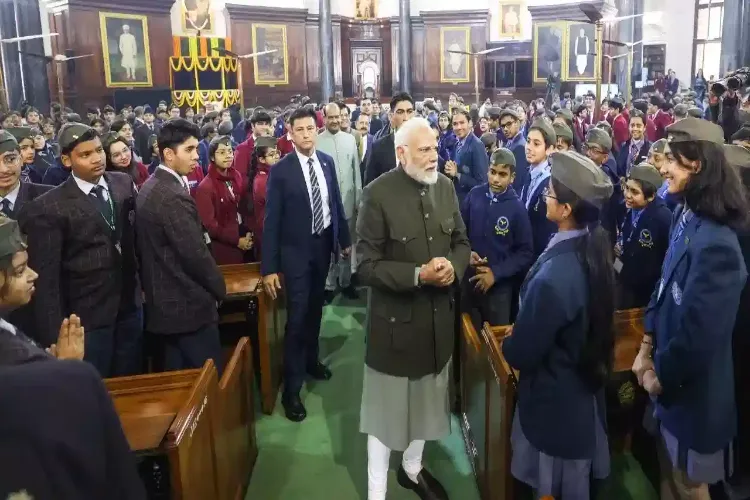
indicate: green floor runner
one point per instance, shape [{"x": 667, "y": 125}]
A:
[{"x": 325, "y": 457}]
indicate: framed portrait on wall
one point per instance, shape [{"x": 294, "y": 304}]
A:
[
  {"x": 273, "y": 68},
  {"x": 365, "y": 9},
  {"x": 197, "y": 17},
  {"x": 454, "y": 66},
  {"x": 549, "y": 50},
  {"x": 582, "y": 65},
  {"x": 125, "y": 50},
  {"x": 510, "y": 19}
]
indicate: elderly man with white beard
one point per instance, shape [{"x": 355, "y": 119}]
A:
[{"x": 413, "y": 248}]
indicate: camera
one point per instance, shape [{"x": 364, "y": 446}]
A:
[{"x": 735, "y": 81}]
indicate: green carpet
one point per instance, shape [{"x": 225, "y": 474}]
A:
[{"x": 325, "y": 457}]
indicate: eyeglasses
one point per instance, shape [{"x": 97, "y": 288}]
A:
[
  {"x": 586, "y": 148},
  {"x": 507, "y": 124},
  {"x": 546, "y": 194},
  {"x": 10, "y": 160},
  {"x": 272, "y": 154}
]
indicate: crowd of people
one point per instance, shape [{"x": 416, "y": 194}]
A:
[{"x": 544, "y": 218}]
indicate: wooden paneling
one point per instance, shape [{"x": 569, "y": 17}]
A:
[
  {"x": 365, "y": 34},
  {"x": 77, "y": 23}
]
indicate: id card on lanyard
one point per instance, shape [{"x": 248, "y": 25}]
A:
[
  {"x": 234, "y": 200},
  {"x": 111, "y": 222}
]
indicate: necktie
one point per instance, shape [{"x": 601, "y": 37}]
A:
[
  {"x": 106, "y": 210},
  {"x": 5, "y": 207},
  {"x": 633, "y": 154},
  {"x": 317, "y": 199}
]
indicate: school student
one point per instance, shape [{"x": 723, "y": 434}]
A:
[
  {"x": 564, "y": 136},
  {"x": 265, "y": 156},
  {"x": 658, "y": 158},
  {"x": 643, "y": 238},
  {"x": 539, "y": 145},
  {"x": 25, "y": 138},
  {"x": 500, "y": 235},
  {"x": 119, "y": 158},
  {"x": 562, "y": 340},
  {"x": 221, "y": 199},
  {"x": 598, "y": 147},
  {"x": 685, "y": 360}
]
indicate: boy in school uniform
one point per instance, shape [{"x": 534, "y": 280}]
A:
[
  {"x": 564, "y": 135},
  {"x": 598, "y": 147},
  {"x": 643, "y": 239},
  {"x": 25, "y": 138},
  {"x": 502, "y": 246},
  {"x": 539, "y": 145}
]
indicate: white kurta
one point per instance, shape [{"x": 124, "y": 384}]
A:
[{"x": 128, "y": 51}]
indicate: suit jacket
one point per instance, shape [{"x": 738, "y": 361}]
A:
[
  {"x": 243, "y": 154},
  {"x": 342, "y": 148},
  {"x": 287, "y": 229},
  {"x": 473, "y": 163},
  {"x": 180, "y": 277},
  {"x": 622, "y": 158},
  {"x": 381, "y": 158},
  {"x": 141, "y": 136},
  {"x": 73, "y": 249},
  {"x": 60, "y": 436},
  {"x": 402, "y": 225},
  {"x": 27, "y": 193},
  {"x": 693, "y": 348}
]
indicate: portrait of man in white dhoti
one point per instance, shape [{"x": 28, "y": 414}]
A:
[
  {"x": 510, "y": 15},
  {"x": 128, "y": 51},
  {"x": 582, "y": 60},
  {"x": 454, "y": 65},
  {"x": 125, "y": 49}
]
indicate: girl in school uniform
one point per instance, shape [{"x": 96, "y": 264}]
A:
[
  {"x": 658, "y": 158},
  {"x": 221, "y": 200},
  {"x": 119, "y": 158},
  {"x": 265, "y": 156},
  {"x": 447, "y": 141},
  {"x": 562, "y": 340},
  {"x": 642, "y": 239},
  {"x": 685, "y": 360}
]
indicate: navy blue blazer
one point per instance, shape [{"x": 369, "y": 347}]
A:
[
  {"x": 287, "y": 227},
  {"x": 643, "y": 249},
  {"x": 622, "y": 157},
  {"x": 522, "y": 165},
  {"x": 472, "y": 164},
  {"x": 542, "y": 228},
  {"x": 691, "y": 316},
  {"x": 556, "y": 408}
]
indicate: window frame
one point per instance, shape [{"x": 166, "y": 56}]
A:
[{"x": 708, "y": 7}]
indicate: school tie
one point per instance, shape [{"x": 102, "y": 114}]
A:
[
  {"x": 98, "y": 195},
  {"x": 634, "y": 149},
  {"x": 5, "y": 207},
  {"x": 317, "y": 199}
]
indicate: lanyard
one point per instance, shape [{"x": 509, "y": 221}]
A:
[
  {"x": 231, "y": 190},
  {"x": 111, "y": 220}
]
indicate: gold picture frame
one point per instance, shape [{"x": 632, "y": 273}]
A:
[
  {"x": 551, "y": 37},
  {"x": 454, "y": 68},
  {"x": 132, "y": 69},
  {"x": 572, "y": 59},
  {"x": 189, "y": 29},
  {"x": 270, "y": 69},
  {"x": 507, "y": 9}
]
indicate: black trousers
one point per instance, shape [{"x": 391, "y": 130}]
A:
[{"x": 305, "y": 299}]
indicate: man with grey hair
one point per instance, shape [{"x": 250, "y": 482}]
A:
[
  {"x": 342, "y": 147},
  {"x": 412, "y": 247}
]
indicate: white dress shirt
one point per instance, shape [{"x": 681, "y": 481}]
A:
[
  {"x": 183, "y": 179},
  {"x": 86, "y": 186},
  {"x": 322, "y": 184},
  {"x": 12, "y": 196},
  {"x": 4, "y": 325}
]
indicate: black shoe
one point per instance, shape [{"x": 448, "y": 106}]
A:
[
  {"x": 350, "y": 293},
  {"x": 319, "y": 371},
  {"x": 293, "y": 408},
  {"x": 426, "y": 487},
  {"x": 328, "y": 297}
]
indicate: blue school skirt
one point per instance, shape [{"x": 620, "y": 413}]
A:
[{"x": 558, "y": 477}]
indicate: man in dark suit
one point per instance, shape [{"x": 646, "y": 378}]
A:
[
  {"x": 182, "y": 282},
  {"x": 14, "y": 194},
  {"x": 304, "y": 225},
  {"x": 144, "y": 131},
  {"x": 82, "y": 244},
  {"x": 470, "y": 166},
  {"x": 60, "y": 436},
  {"x": 634, "y": 151},
  {"x": 382, "y": 156}
]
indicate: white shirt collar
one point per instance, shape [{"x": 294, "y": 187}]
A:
[
  {"x": 86, "y": 186},
  {"x": 12, "y": 196},
  {"x": 183, "y": 179},
  {"x": 4, "y": 325},
  {"x": 303, "y": 159}
]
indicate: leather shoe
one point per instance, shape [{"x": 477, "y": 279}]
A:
[
  {"x": 426, "y": 487},
  {"x": 350, "y": 293},
  {"x": 319, "y": 371},
  {"x": 294, "y": 409}
]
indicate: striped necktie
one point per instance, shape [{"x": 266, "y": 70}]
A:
[
  {"x": 5, "y": 207},
  {"x": 317, "y": 199}
]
